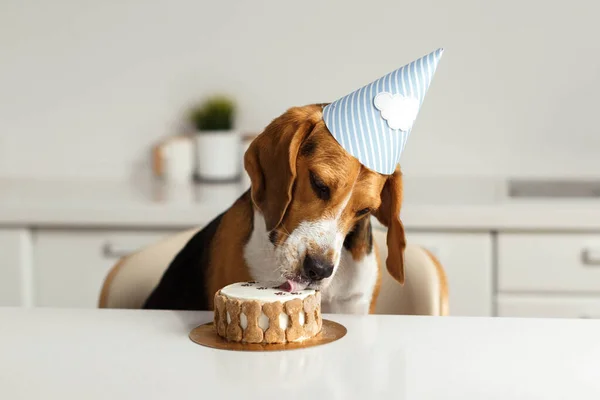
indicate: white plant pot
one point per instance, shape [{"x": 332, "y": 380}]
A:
[{"x": 217, "y": 155}]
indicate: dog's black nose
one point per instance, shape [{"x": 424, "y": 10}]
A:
[{"x": 317, "y": 269}]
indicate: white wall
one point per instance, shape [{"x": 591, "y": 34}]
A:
[{"x": 87, "y": 86}]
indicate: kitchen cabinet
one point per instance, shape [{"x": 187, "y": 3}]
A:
[
  {"x": 548, "y": 274},
  {"x": 539, "y": 274},
  {"x": 502, "y": 255},
  {"x": 467, "y": 260},
  {"x": 548, "y": 306},
  {"x": 70, "y": 265},
  {"x": 549, "y": 262},
  {"x": 15, "y": 267}
]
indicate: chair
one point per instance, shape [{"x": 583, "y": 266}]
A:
[{"x": 425, "y": 291}]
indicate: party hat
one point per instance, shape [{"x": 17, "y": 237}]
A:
[{"x": 373, "y": 123}]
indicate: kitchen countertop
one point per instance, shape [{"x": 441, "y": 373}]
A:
[
  {"x": 440, "y": 203},
  {"x": 141, "y": 354}
]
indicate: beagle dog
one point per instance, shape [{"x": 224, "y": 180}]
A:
[{"x": 306, "y": 217}]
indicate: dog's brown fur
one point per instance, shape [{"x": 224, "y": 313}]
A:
[{"x": 227, "y": 258}]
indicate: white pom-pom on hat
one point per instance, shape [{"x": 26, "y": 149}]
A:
[{"x": 398, "y": 111}]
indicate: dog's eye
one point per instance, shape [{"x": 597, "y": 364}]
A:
[
  {"x": 362, "y": 212},
  {"x": 320, "y": 188}
]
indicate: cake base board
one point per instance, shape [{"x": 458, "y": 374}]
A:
[{"x": 206, "y": 335}]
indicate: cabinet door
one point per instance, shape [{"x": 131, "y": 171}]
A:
[
  {"x": 548, "y": 306},
  {"x": 70, "y": 265},
  {"x": 549, "y": 262},
  {"x": 15, "y": 267},
  {"x": 467, "y": 261}
]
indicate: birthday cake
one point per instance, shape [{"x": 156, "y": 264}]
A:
[{"x": 254, "y": 312}]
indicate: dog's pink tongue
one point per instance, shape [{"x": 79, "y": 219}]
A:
[{"x": 292, "y": 286}]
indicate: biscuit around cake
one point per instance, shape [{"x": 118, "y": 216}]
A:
[{"x": 254, "y": 312}]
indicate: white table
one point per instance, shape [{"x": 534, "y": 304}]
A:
[{"x": 127, "y": 354}]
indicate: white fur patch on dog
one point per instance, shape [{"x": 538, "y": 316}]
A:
[
  {"x": 352, "y": 289},
  {"x": 259, "y": 253}
]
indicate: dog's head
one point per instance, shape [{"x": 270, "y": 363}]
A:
[{"x": 311, "y": 193}]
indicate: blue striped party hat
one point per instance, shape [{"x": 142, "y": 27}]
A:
[{"x": 374, "y": 122}]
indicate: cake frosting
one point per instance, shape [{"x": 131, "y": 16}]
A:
[
  {"x": 266, "y": 292},
  {"x": 256, "y": 312}
]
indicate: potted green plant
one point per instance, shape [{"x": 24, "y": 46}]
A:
[{"x": 217, "y": 143}]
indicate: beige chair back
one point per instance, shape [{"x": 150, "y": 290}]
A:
[{"x": 425, "y": 291}]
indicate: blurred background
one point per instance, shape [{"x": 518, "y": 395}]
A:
[{"x": 122, "y": 123}]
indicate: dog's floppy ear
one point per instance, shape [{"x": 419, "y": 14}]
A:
[
  {"x": 271, "y": 161},
  {"x": 389, "y": 215}
]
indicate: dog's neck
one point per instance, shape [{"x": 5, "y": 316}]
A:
[{"x": 259, "y": 252}]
